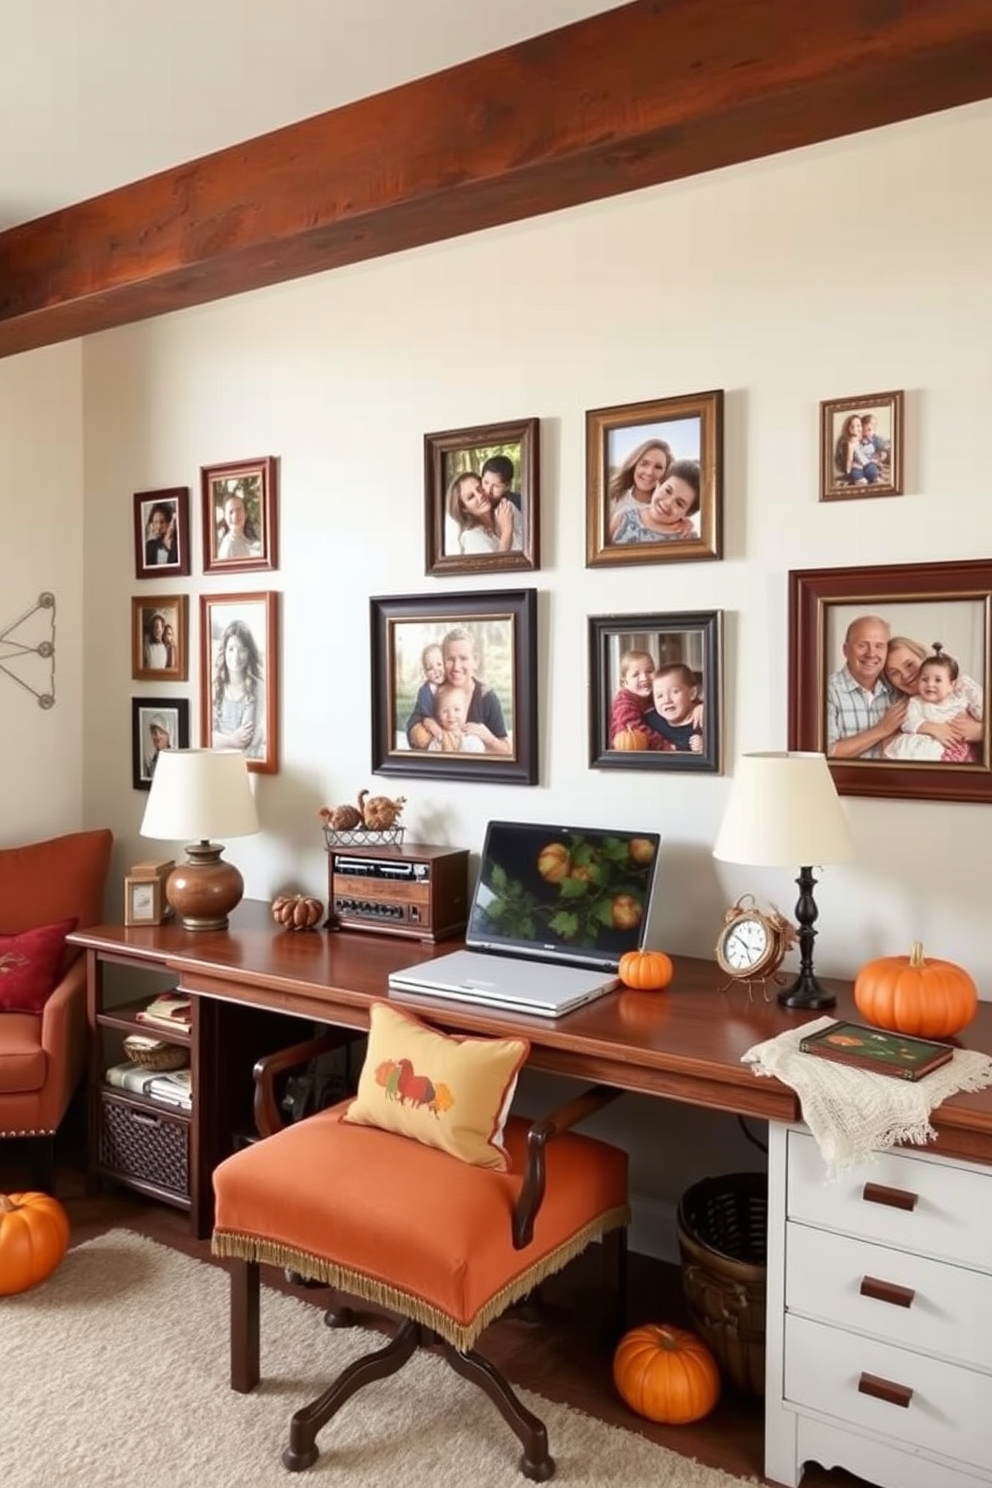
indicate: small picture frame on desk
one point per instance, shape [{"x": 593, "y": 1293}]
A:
[{"x": 144, "y": 901}]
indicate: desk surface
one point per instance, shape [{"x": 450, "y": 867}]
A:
[{"x": 682, "y": 1044}]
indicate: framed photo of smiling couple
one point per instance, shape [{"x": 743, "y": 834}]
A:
[{"x": 889, "y": 671}]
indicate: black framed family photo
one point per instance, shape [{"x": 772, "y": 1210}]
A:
[
  {"x": 454, "y": 686},
  {"x": 654, "y": 481},
  {"x": 888, "y": 676},
  {"x": 656, "y": 691},
  {"x": 482, "y": 499}
]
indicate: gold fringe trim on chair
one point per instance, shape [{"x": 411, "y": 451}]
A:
[{"x": 231, "y": 1245}]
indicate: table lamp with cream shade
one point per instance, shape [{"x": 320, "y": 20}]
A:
[
  {"x": 783, "y": 809},
  {"x": 196, "y": 795}
]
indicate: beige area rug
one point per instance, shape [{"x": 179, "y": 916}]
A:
[{"x": 113, "y": 1374}]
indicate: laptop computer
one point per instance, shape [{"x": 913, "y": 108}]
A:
[{"x": 553, "y": 911}]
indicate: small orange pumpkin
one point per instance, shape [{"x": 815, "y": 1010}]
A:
[
  {"x": 34, "y": 1236},
  {"x": 646, "y": 971},
  {"x": 666, "y": 1374},
  {"x": 297, "y": 911},
  {"x": 629, "y": 738},
  {"x": 926, "y": 999}
]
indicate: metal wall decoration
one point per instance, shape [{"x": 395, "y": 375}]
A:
[{"x": 14, "y": 648}]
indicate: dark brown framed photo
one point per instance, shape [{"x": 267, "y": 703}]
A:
[
  {"x": 156, "y": 724},
  {"x": 239, "y": 511},
  {"x": 159, "y": 638},
  {"x": 482, "y": 510},
  {"x": 239, "y": 676},
  {"x": 861, "y": 447},
  {"x": 888, "y": 674},
  {"x": 654, "y": 481},
  {"x": 454, "y": 686},
  {"x": 656, "y": 691},
  {"x": 161, "y": 533}
]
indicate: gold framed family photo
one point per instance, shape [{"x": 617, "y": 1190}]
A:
[{"x": 482, "y": 499}]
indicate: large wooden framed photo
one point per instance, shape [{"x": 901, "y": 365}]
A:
[
  {"x": 861, "y": 446},
  {"x": 481, "y": 499},
  {"x": 239, "y": 512},
  {"x": 888, "y": 674},
  {"x": 654, "y": 481},
  {"x": 156, "y": 724},
  {"x": 454, "y": 686},
  {"x": 656, "y": 691},
  {"x": 239, "y": 676},
  {"x": 159, "y": 644},
  {"x": 161, "y": 533}
]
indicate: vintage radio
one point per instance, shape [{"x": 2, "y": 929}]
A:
[{"x": 416, "y": 891}]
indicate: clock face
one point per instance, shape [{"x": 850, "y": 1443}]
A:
[{"x": 745, "y": 944}]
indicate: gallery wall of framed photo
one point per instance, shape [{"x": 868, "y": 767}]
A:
[{"x": 404, "y": 401}]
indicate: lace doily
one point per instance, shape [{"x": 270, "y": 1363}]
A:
[{"x": 853, "y": 1113}]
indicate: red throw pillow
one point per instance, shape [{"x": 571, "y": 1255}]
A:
[{"x": 31, "y": 966}]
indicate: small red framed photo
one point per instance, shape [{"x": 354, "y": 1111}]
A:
[{"x": 240, "y": 509}]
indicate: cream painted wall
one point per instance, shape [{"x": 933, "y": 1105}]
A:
[{"x": 850, "y": 267}]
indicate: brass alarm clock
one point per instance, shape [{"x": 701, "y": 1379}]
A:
[{"x": 752, "y": 943}]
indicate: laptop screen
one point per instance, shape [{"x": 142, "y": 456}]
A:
[{"x": 574, "y": 894}]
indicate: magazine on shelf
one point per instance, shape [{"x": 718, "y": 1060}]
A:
[
  {"x": 877, "y": 1049},
  {"x": 128, "y": 1076},
  {"x": 174, "y": 1087},
  {"x": 168, "y": 1010}
]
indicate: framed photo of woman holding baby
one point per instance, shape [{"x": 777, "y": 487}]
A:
[
  {"x": 481, "y": 499},
  {"x": 654, "y": 481},
  {"x": 454, "y": 686},
  {"x": 656, "y": 691}
]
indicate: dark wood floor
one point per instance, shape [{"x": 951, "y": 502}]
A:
[{"x": 554, "y": 1352}]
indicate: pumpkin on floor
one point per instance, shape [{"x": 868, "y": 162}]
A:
[
  {"x": 34, "y": 1235},
  {"x": 666, "y": 1374},
  {"x": 926, "y": 999},
  {"x": 645, "y": 971}
]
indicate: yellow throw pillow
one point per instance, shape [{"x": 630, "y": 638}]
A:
[{"x": 442, "y": 1090}]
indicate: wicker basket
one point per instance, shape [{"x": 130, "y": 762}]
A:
[
  {"x": 722, "y": 1229},
  {"x": 364, "y": 837},
  {"x": 153, "y": 1054}
]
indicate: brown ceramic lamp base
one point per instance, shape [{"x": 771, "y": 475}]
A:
[{"x": 204, "y": 890}]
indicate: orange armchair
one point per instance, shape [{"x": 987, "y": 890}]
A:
[{"x": 42, "y": 1056}]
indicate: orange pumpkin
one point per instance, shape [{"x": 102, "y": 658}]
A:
[
  {"x": 927, "y": 999},
  {"x": 646, "y": 971},
  {"x": 629, "y": 738},
  {"x": 666, "y": 1374},
  {"x": 297, "y": 911},
  {"x": 34, "y": 1235}
]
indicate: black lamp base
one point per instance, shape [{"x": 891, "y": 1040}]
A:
[{"x": 806, "y": 991}]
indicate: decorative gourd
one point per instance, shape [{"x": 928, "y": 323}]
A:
[
  {"x": 34, "y": 1235},
  {"x": 666, "y": 1374},
  {"x": 646, "y": 971},
  {"x": 297, "y": 911},
  {"x": 927, "y": 999},
  {"x": 340, "y": 818},
  {"x": 379, "y": 813},
  {"x": 629, "y": 738}
]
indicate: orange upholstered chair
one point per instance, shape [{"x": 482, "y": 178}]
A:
[
  {"x": 446, "y": 1244},
  {"x": 42, "y": 1053}
]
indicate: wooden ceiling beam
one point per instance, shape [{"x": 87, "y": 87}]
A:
[{"x": 651, "y": 92}]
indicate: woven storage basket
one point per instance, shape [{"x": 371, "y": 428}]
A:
[
  {"x": 722, "y": 1229},
  {"x": 154, "y": 1055}
]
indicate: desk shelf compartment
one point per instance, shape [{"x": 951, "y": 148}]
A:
[{"x": 125, "y": 1018}]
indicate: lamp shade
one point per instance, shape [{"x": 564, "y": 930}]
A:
[
  {"x": 199, "y": 794},
  {"x": 783, "y": 809}
]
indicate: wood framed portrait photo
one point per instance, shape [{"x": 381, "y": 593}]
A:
[
  {"x": 454, "y": 686},
  {"x": 861, "y": 447},
  {"x": 157, "y": 724},
  {"x": 888, "y": 676},
  {"x": 656, "y": 691},
  {"x": 239, "y": 511},
  {"x": 161, "y": 533},
  {"x": 654, "y": 481},
  {"x": 239, "y": 676},
  {"x": 481, "y": 499},
  {"x": 159, "y": 638}
]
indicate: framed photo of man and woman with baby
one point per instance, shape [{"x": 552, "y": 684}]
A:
[
  {"x": 861, "y": 446},
  {"x": 889, "y": 669},
  {"x": 656, "y": 691},
  {"x": 654, "y": 481},
  {"x": 454, "y": 686},
  {"x": 482, "y": 499},
  {"x": 239, "y": 513}
]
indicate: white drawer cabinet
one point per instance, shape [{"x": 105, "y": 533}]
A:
[{"x": 879, "y": 1346}]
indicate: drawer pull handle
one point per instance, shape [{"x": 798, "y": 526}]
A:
[
  {"x": 883, "y": 1389},
  {"x": 894, "y": 1198},
  {"x": 141, "y": 1119},
  {"x": 887, "y": 1291}
]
